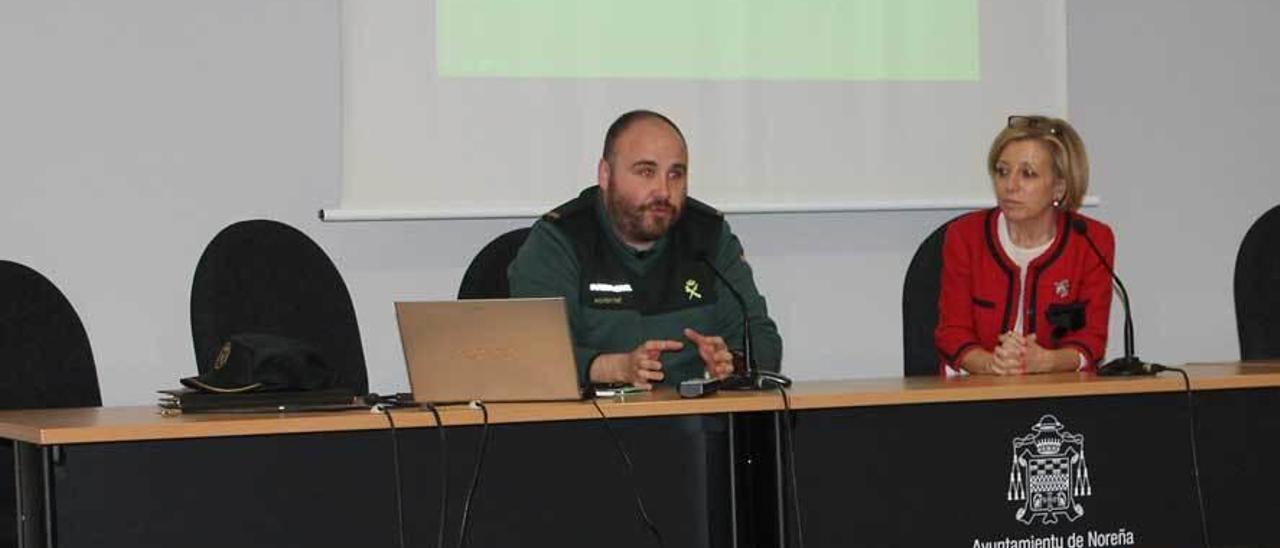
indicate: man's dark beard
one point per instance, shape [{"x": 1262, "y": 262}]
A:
[{"x": 630, "y": 222}]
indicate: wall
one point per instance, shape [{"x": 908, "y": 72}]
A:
[
  {"x": 132, "y": 131},
  {"x": 1178, "y": 102}
]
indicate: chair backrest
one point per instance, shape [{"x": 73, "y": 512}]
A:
[
  {"x": 920, "y": 291},
  {"x": 1257, "y": 289},
  {"x": 45, "y": 358},
  {"x": 263, "y": 276},
  {"x": 486, "y": 277}
]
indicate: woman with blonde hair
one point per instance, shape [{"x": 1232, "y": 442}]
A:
[{"x": 1021, "y": 290}]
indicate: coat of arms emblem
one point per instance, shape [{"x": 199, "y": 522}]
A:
[{"x": 1048, "y": 475}]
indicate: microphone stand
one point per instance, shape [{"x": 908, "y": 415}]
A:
[
  {"x": 1129, "y": 364},
  {"x": 749, "y": 376}
]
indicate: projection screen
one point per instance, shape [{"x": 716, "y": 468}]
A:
[{"x": 497, "y": 108}]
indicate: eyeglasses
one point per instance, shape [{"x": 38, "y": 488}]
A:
[{"x": 1019, "y": 121}]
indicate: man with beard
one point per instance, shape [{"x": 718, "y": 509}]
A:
[{"x": 629, "y": 256}]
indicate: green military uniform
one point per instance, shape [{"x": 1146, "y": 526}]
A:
[{"x": 618, "y": 297}]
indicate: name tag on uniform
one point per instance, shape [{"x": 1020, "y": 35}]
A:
[
  {"x": 609, "y": 288},
  {"x": 608, "y": 294}
]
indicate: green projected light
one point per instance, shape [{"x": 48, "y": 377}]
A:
[{"x": 709, "y": 39}]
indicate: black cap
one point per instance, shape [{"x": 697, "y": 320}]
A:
[{"x": 258, "y": 362}]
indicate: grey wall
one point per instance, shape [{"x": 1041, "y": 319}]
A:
[
  {"x": 132, "y": 131},
  {"x": 1179, "y": 103}
]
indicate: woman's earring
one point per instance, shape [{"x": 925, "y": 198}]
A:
[{"x": 1057, "y": 202}]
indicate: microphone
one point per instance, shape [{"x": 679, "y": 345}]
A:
[
  {"x": 751, "y": 377},
  {"x": 1129, "y": 364},
  {"x": 748, "y": 355}
]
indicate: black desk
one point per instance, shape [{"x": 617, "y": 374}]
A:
[
  {"x": 558, "y": 483},
  {"x": 882, "y": 462},
  {"x": 1105, "y": 462},
  {"x": 1115, "y": 468}
]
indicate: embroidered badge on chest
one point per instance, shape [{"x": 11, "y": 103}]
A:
[
  {"x": 1062, "y": 288},
  {"x": 691, "y": 289}
]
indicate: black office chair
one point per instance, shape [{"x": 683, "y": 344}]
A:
[
  {"x": 1257, "y": 289},
  {"x": 45, "y": 362},
  {"x": 263, "y": 276},
  {"x": 45, "y": 358},
  {"x": 486, "y": 277},
  {"x": 920, "y": 292}
]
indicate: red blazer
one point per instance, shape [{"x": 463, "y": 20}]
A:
[{"x": 1068, "y": 303}]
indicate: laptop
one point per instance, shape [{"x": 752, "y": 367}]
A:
[{"x": 488, "y": 350}]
